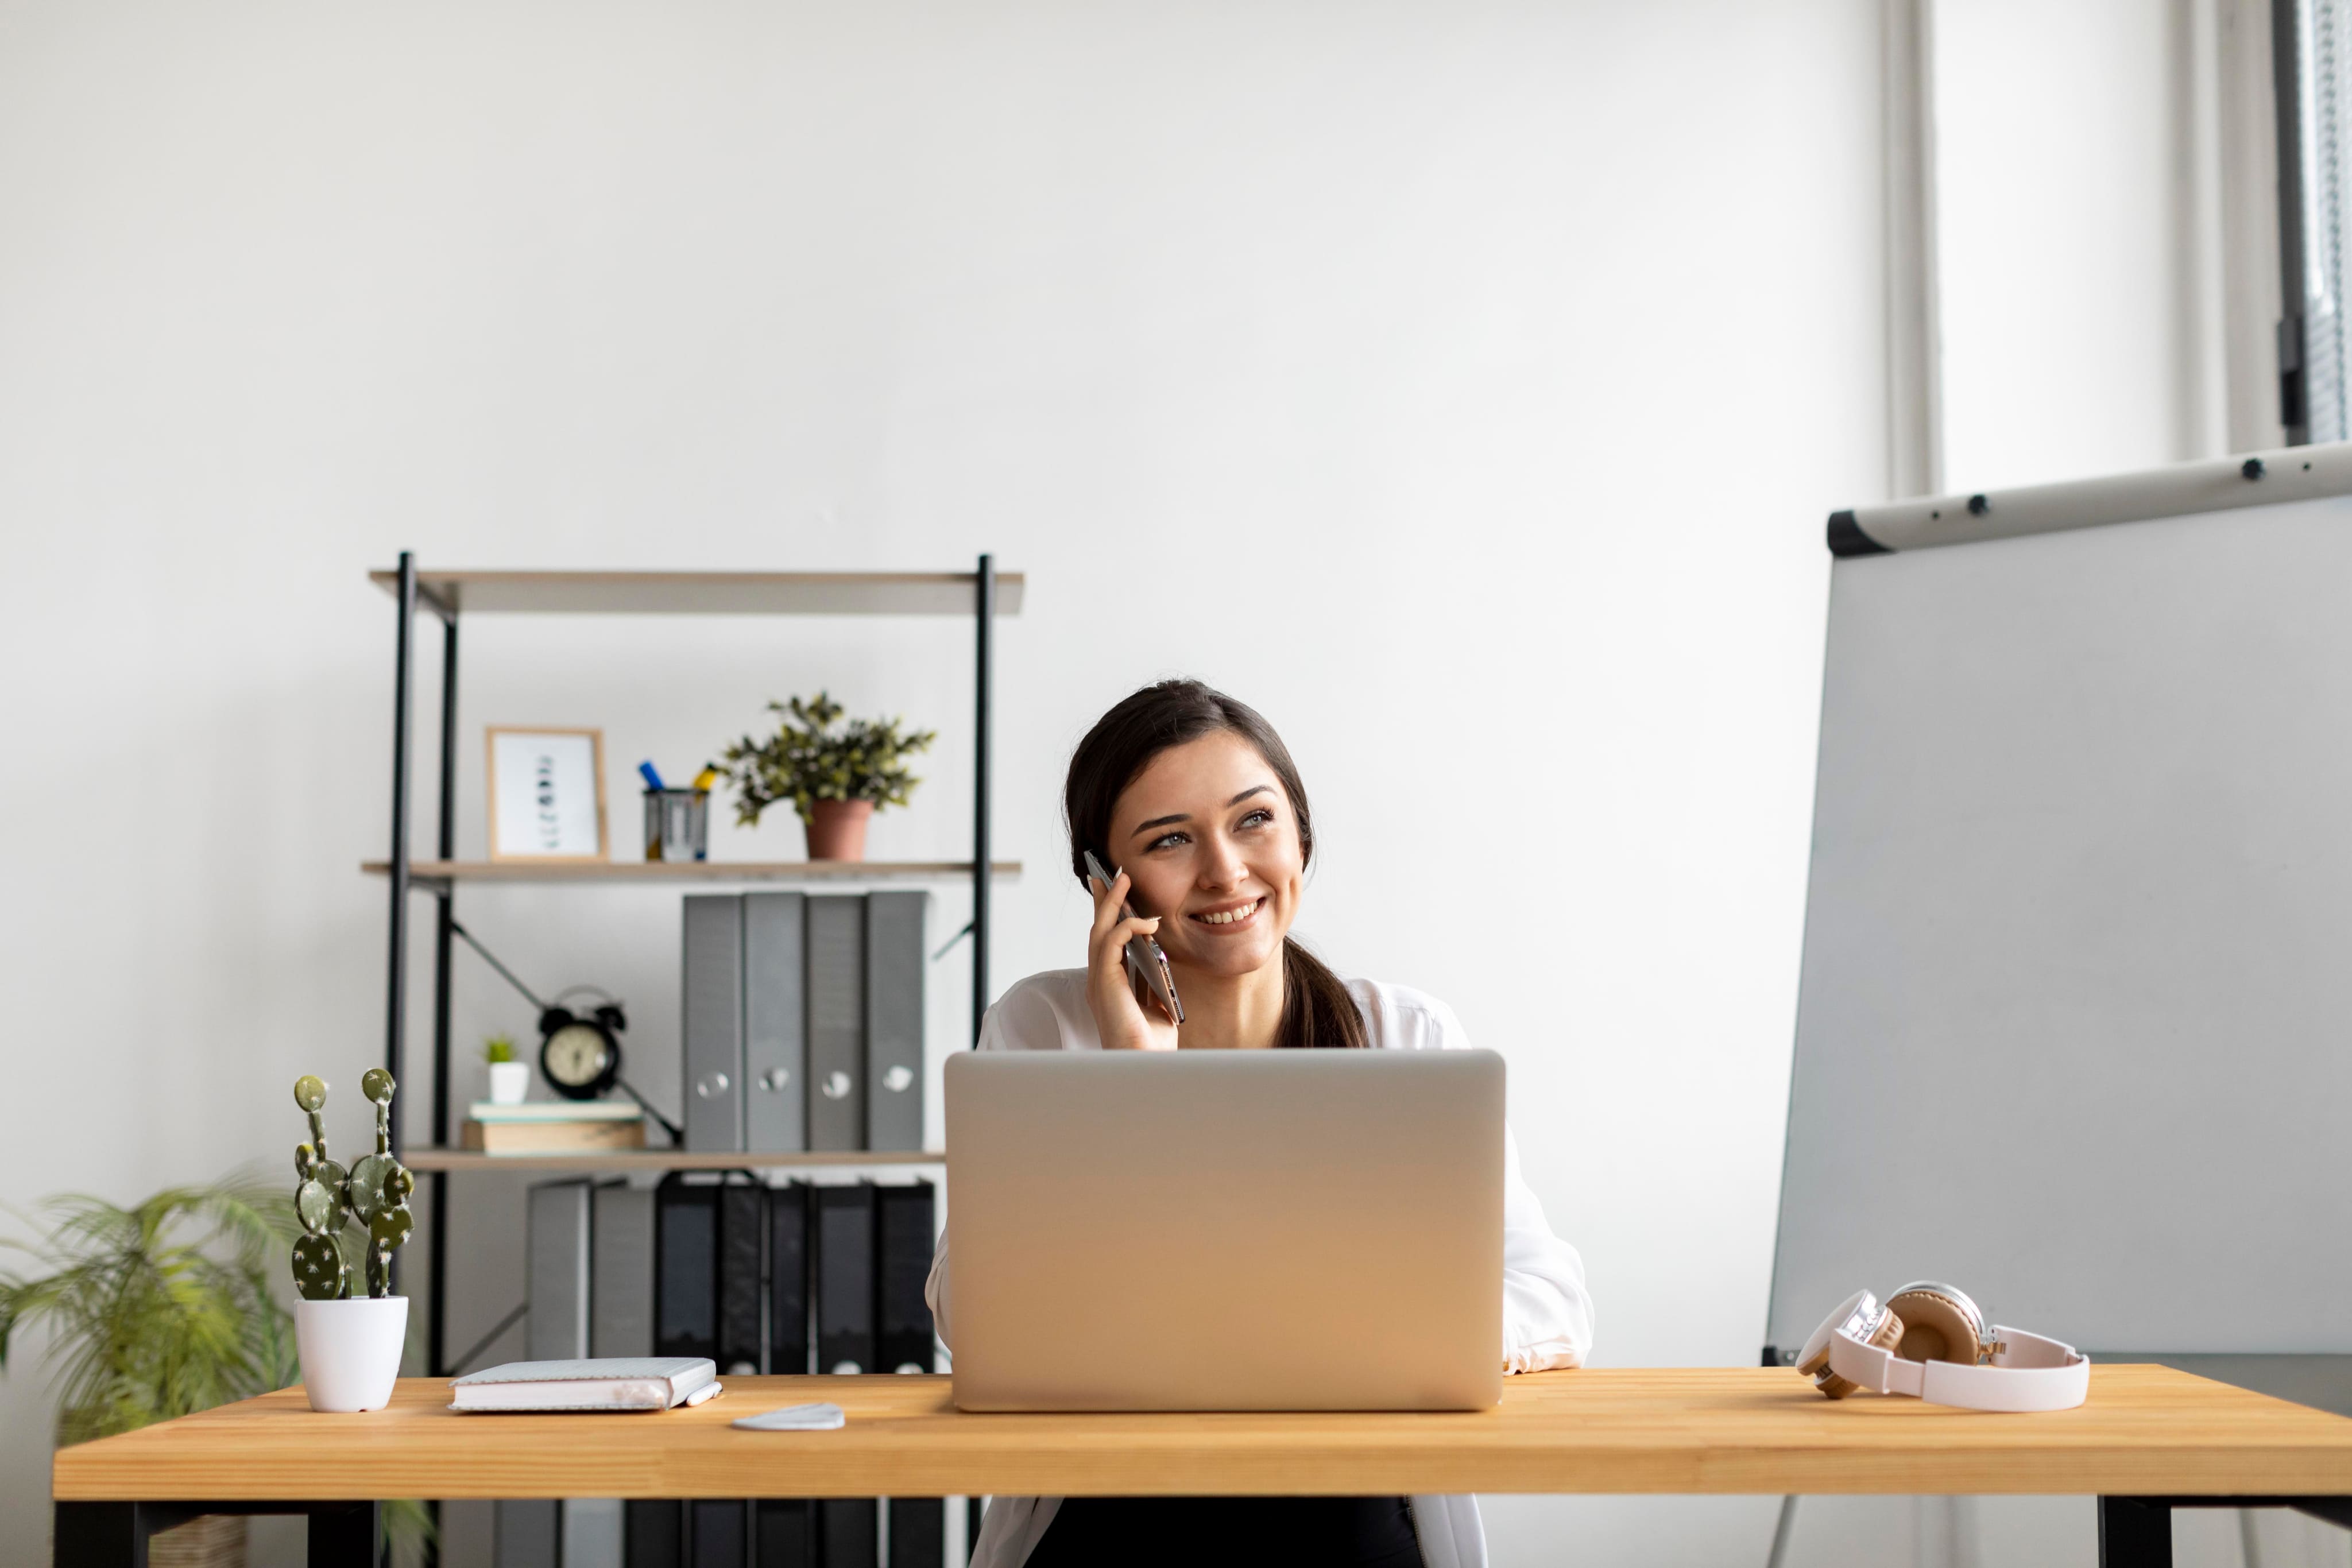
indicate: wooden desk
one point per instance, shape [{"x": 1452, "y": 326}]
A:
[{"x": 2151, "y": 1438}]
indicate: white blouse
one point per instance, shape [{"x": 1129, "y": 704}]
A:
[{"x": 1546, "y": 1316}]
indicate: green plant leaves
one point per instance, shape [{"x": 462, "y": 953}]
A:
[
  {"x": 157, "y": 1310},
  {"x": 318, "y": 1270},
  {"x": 808, "y": 760},
  {"x": 374, "y": 1191}
]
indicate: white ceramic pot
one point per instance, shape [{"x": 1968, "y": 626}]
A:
[
  {"x": 350, "y": 1350},
  {"x": 509, "y": 1081}
]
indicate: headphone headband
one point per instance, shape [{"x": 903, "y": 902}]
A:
[{"x": 1857, "y": 1347}]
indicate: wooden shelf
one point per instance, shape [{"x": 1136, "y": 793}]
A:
[
  {"x": 432, "y": 872},
  {"x": 661, "y": 1160},
  {"x": 707, "y": 592}
]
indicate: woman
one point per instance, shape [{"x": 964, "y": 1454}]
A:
[{"x": 1193, "y": 799}]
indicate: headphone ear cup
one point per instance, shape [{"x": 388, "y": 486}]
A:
[
  {"x": 1888, "y": 1335},
  {"x": 1941, "y": 1329}
]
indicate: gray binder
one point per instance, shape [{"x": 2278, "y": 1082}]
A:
[
  {"x": 556, "y": 1252},
  {"x": 894, "y": 1019},
  {"x": 621, "y": 1268},
  {"x": 528, "y": 1533},
  {"x": 836, "y": 1022},
  {"x": 713, "y": 1023},
  {"x": 556, "y": 1246},
  {"x": 775, "y": 1022}
]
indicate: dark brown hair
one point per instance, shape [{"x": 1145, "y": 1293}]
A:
[{"x": 1317, "y": 1010}]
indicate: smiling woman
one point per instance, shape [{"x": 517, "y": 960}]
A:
[
  {"x": 1190, "y": 800},
  {"x": 1193, "y": 799}
]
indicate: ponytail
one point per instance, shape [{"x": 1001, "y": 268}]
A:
[{"x": 1317, "y": 1013}]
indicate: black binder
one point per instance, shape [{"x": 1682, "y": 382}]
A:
[
  {"x": 918, "y": 1531},
  {"x": 845, "y": 1279},
  {"x": 720, "y": 1536},
  {"x": 786, "y": 1535},
  {"x": 902, "y": 1246},
  {"x": 655, "y": 1534},
  {"x": 850, "y": 1532},
  {"x": 742, "y": 1221},
  {"x": 686, "y": 1269},
  {"x": 788, "y": 1279}
]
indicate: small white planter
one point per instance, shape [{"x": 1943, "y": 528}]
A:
[
  {"x": 509, "y": 1081},
  {"x": 350, "y": 1350}
]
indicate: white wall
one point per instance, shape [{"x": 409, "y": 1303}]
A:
[
  {"x": 1463, "y": 385},
  {"x": 2071, "y": 291}
]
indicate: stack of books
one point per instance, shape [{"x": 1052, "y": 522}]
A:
[{"x": 554, "y": 1127}]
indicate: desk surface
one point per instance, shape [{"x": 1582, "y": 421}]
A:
[{"x": 2146, "y": 1430}]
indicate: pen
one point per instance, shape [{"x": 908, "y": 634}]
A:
[{"x": 652, "y": 779}]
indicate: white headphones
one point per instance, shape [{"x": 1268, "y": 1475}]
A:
[{"x": 1929, "y": 1341}]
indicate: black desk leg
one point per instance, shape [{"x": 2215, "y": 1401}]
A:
[
  {"x": 100, "y": 1535},
  {"x": 344, "y": 1534},
  {"x": 2134, "y": 1533},
  {"x": 115, "y": 1534}
]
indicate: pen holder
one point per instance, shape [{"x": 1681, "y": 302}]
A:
[{"x": 678, "y": 824}]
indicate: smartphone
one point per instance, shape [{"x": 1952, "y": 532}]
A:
[{"x": 1145, "y": 961}]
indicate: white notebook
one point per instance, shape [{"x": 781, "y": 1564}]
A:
[{"x": 613, "y": 1383}]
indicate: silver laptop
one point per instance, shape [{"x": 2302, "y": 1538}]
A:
[{"x": 1226, "y": 1230}]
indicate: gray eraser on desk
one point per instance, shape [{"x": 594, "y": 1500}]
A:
[{"x": 818, "y": 1417}]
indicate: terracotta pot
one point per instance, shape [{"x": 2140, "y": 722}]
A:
[{"x": 838, "y": 829}]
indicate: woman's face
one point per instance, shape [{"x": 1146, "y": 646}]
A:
[{"x": 1207, "y": 839}]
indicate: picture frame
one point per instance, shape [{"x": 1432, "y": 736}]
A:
[{"x": 545, "y": 795}]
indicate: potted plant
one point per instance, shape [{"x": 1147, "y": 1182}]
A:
[
  {"x": 510, "y": 1079},
  {"x": 157, "y": 1310},
  {"x": 161, "y": 1310},
  {"x": 835, "y": 778},
  {"x": 350, "y": 1344}
]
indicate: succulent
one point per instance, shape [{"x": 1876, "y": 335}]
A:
[
  {"x": 809, "y": 760},
  {"x": 499, "y": 1048},
  {"x": 373, "y": 1192}
]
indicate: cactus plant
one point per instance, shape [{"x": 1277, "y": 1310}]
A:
[{"x": 373, "y": 1192}]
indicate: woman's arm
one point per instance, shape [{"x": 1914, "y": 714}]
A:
[
  {"x": 1023, "y": 1019},
  {"x": 935, "y": 1292},
  {"x": 1547, "y": 1313}
]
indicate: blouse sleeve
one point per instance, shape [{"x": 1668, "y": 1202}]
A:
[
  {"x": 1022, "y": 1019},
  {"x": 1547, "y": 1313}
]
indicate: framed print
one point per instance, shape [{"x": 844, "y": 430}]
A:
[{"x": 547, "y": 794}]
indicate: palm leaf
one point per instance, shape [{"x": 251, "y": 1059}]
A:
[{"x": 160, "y": 1309}]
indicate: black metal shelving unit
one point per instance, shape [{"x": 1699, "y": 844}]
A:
[{"x": 983, "y": 593}]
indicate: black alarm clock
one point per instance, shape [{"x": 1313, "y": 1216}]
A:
[{"x": 580, "y": 1054}]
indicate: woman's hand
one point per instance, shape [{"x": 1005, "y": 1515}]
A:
[{"x": 1128, "y": 1017}]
